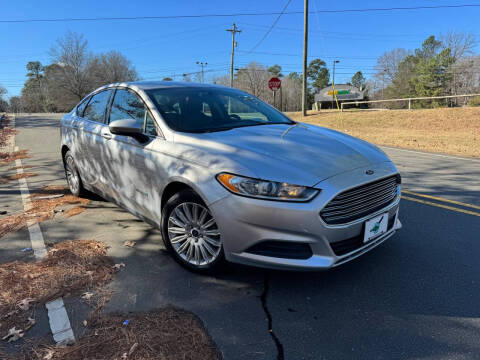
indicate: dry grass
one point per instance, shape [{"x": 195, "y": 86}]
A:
[
  {"x": 164, "y": 334},
  {"x": 70, "y": 267},
  {"x": 4, "y": 179},
  {"x": 453, "y": 131},
  {"x": 43, "y": 209}
]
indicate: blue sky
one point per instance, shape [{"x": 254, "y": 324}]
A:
[{"x": 168, "y": 47}]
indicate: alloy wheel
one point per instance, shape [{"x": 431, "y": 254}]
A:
[
  {"x": 72, "y": 175},
  {"x": 194, "y": 234}
]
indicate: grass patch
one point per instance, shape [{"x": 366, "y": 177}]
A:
[{"x": 453, "y": 131}]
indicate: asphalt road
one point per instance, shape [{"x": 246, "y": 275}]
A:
[{"x": 415, "y": 297}]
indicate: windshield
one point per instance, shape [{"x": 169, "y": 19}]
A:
[{"x": 206, "y": 110}]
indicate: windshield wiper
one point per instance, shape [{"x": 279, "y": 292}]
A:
[{"x": 226, "y": 128}]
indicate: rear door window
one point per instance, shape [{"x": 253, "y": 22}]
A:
[{"x": 95, "y": 110}]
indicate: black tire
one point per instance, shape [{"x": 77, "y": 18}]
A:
[
  {"x": 190, "y": 198},
  {"x": 74, "y": 180}
]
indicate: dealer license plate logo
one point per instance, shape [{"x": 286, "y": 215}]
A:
[{"x": 375, "y": 227}]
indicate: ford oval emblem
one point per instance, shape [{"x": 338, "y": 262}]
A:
[{"x": 369, "y": 172}]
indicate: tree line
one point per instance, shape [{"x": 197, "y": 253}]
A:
[
  {"x": 74, "y": 72},
  {"x": 253, "y": 78},
  {"x": 441, "y": 66}
]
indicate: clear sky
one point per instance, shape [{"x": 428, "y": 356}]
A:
[{"x": 168, "y": 47}]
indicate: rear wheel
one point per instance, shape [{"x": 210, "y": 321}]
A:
[
  {"x": 73, "y": 178},
  {"x": 191, "y": 233}
]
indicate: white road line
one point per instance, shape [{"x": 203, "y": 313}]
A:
[
  {"x": 429, "y": 153},
  {"x": 57, "y": 314}
]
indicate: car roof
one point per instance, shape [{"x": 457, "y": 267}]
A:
[{"x": 147, "y": 85}]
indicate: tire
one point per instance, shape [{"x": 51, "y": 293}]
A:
[
  {"x": 73, "y": 177},
  {"x": 191, "y": 234}
]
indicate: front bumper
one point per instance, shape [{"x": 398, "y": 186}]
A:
[{"x": 245, "y": 222}]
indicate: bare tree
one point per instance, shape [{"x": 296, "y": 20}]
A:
[
  {"x": 387, "y": 64},
  {"x": 253, "y": 78},
  {"x": 70, "y": 53},
  {"x": 460, "y": 44},
  {"x": 109, "y": 68},
  {"x": 15, "y": 104},
  {"x": 3, "y": 102},
  {"x": 222, "y": 80},
  {"x": 3, "y": 91}
]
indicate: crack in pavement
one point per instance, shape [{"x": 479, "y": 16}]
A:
[{"x": 263, "y": 298}]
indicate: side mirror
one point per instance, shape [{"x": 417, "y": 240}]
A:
[{"x": 127, "y": 127}]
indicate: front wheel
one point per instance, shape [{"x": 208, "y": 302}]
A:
[
  {"x": 190, "y": 232},
  {"x": 73, "y": 178}
]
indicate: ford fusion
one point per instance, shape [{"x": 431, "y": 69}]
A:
[{"x": 226, "y": 177}]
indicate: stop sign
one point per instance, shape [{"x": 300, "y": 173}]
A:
[{"x": 274, "y": 84}]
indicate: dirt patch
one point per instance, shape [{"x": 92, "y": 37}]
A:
[
  {"x": 44, "y": 203},
  {"x": 450, "y": 130},
  {"x": 164, "y": 334},
  {"x": 6, "y": 158},
  {"x": 70, "y": 267},
  {"x": 6, "y": 179}
]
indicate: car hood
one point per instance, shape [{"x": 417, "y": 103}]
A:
[{"x": 302, "y": 154}]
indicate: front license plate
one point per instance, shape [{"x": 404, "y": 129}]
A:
[{"x": 375, "y": 227}]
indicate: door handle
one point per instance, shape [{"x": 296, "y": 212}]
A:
[{"x": 107, "y": 136}]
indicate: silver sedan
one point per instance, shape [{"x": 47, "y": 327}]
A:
[{"x": 227, "y": 177}]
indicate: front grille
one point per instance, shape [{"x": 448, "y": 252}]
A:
[
  {"x": 345, "y": 246},
  {"x": 281, "y": 249},
  {"x": 361, "y": 201}
]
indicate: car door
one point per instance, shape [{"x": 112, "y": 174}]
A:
[
  {"x": 135, "y": 171},
  {"x": 73, "y": 130},
  {"x": 94, "y": 135}
]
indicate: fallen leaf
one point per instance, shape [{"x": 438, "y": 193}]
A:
[
  {"x": 25, "y": 303},
  {"x": 129, "y": 243},
  {"x": 30, "y": 323},
  {"x": 48, "y": 197},
  {"x": 13, "y": 334},
  {"x": 48, "y": 355},
  {"x": 118, "y": 266},
  {"x": 132, "y": 349},
  {"x": 9, "y": 314},
  {"x": 87, "y": 295}
]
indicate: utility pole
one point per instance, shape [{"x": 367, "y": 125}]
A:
[
  {"x": 333, "y": 81},
  {"x": 233, "y": 30},
  {"x": 202, "y": 64},
  {"x": 305, "y": 52},
  {"x": 383, "y": 86}
]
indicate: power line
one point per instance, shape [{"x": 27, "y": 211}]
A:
[
  {"x": 164, "y": 17},
  {"x": 290, "y": 54},
  {"x": 271, "y": 27}
]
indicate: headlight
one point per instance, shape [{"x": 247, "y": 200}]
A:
[{"x": 263, "y": 189}]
